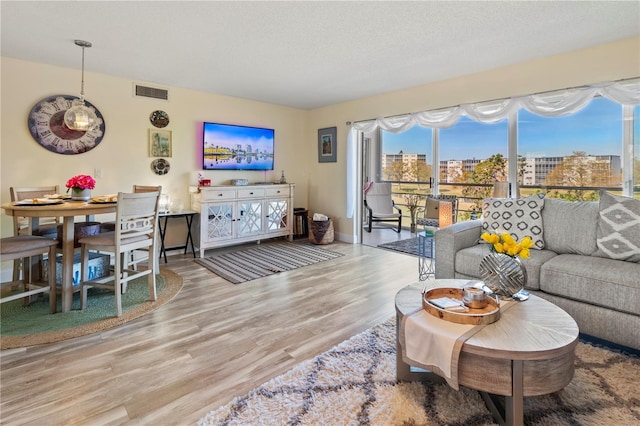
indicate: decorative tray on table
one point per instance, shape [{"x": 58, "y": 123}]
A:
[{"x": 486, "y": 315}]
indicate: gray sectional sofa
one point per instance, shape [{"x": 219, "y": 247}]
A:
[{"x": 574, "y": 270}]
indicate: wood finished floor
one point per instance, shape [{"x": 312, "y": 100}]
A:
[{"x": 213, "y": 342}]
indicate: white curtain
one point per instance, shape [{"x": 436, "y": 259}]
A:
[{"x": 551, "y": 104}]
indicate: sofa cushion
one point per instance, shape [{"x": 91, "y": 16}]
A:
[
  {"x": 570, "y": 226},
  {"x": 613, "y": 284},
  {"x": 618, "y": 235},
  {"x": 468, "y": 263},
  {"x": 520, "y": 217}
]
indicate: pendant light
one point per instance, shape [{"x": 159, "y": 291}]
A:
[{"x": 79, "y": 116}]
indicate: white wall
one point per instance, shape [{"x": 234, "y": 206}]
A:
[
  {"x": 123, "y": 154},
  {"x": 327, "y": 183}
]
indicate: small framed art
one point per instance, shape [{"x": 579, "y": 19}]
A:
[
  {"x": 159, "y": 143},
  {"x": 327, "y": 145}
]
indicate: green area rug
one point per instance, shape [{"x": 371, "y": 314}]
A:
[{"x": 33, "y": 325}]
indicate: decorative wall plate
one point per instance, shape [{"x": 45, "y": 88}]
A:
[
  {"x": 159, "y": 118},
  {"x": 160, "y": 166},
  {"x": 46, "y": 124}
]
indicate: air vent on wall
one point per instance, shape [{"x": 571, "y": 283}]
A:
[{"x": 151, "y": 92}]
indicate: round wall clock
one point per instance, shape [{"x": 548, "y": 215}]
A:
[
  {"x": 46, "y": 124},
  {"x": 159, "y": 118},
  {"x": 160, "y": 166}
]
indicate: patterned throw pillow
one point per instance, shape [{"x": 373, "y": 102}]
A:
[
  {"x": 520, "y": 217},
  {"x": 618, "y": 234}
]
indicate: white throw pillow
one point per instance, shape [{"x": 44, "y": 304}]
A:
[{"x": 520, "y": 217}]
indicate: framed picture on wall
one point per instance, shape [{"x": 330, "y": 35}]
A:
[
  {"x": 159, "y": 143},
  {"x": 327, "y": 148}
]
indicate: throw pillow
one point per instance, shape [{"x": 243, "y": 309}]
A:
[
  {"x": 431, "y": 211},
  {"x": 618, "y": 235},
  {"x": 520, "y": 217}
]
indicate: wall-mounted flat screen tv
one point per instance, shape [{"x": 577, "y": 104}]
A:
[{"x": 233, "y": 147}]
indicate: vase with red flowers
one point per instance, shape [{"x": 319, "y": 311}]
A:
[{"x": 80, "y": 187}]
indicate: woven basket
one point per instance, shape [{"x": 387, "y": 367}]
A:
[{"x": 320, "y": 232}]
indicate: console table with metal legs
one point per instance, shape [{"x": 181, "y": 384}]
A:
[{"x": 162, "y": 228}]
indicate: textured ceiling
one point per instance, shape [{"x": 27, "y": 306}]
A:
[{"x": 305, "y": 54}]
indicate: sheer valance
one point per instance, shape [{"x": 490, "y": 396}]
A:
[{"x": 550, "y": 104}]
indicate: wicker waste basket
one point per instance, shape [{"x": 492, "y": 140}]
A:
[{"x": 320, "y": 231}]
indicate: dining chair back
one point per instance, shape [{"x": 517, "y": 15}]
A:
[
  {"x": 137, "y": 189},
  {"x": 145, "y": 188},
  {"x": 47, "y": 226},
  {"x": 136, "y": 228},
  {"x": 24, "y": 247},
  {"x": 22, "y": 225},
  {"x": 379, "y": 205}
]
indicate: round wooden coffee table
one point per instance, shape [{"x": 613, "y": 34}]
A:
[{"x": 529, "y": 351}]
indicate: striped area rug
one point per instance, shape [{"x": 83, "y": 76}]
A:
[{"x": 260, "y": 261}]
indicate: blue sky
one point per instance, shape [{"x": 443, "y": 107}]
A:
[{"x": 596, "y": 129}]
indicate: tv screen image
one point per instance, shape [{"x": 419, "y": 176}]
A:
[{"x": 233, "y": 147}]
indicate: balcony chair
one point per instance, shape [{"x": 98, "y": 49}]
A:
[
  {"x": 136, "y": 229},
  {"x": 432, "y": 210},
  {"x": 24, "y": 247},
  {"x": 380, "y": 206}
]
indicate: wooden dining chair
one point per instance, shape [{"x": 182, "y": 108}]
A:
[
  {"x": 25, "y": 247},
  {"x": 137, "y": 189},
  {"x": 47, "y": 226},
  {"x": 136, "y": 228},
  {"x": 22, "y": 225}
]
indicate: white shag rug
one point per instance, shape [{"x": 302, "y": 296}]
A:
[{"x": 354, "y": 383}]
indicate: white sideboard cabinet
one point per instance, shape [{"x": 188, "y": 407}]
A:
[{"x": 238, "y": 214}]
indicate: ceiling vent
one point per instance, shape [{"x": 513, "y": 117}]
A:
[{"x": 151, "y": 92}]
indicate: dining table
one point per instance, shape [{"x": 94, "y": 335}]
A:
[{"x": 68, "y": 210}]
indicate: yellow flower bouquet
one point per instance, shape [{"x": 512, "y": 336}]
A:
[{"x": 506, "y": 244}]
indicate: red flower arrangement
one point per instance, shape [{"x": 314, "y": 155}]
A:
[{"x": 81, "y": 182}]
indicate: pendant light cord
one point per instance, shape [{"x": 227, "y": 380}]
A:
[{"x": 82, "y": 78}]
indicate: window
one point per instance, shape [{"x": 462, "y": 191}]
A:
[
  {"x": 572, "y": 157},
  {"x": 595, "y": 147},
  {"x": 473, "y": 153},
  {"x": 407, "y": 156},
  {"x": 407, "y": 161}
]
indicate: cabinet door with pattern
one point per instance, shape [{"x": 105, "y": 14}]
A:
[
  {"x": 219, "y": 221},
  {"x": 249, "y": 220},
  {"x": 276, "y": 217}
]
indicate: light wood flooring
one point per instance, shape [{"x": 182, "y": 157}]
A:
[{"x": 212, "y": 342}]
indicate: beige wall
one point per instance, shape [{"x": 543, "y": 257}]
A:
[
  {"x": 327, "y": 189},
  {"x": 123, "y": 154}
]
